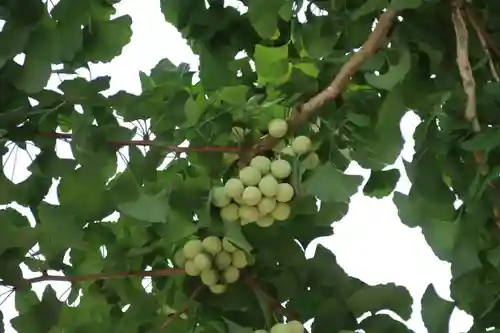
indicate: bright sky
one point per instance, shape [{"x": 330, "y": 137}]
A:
[{"x": 370, "y": 242}]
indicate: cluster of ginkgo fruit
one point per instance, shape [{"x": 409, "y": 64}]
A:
[
  {"x": 216, "y": 261},
  {"x": 261, "y": 193},
  {"x": 293, "y": 326}
]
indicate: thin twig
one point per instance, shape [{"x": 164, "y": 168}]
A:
[
  {"x": 308, "y": 109},
  {"x": 185, "y": 309},
  {"x": 478, "y": 24}
]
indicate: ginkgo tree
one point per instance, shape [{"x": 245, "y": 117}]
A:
[{"x": 287, "y": 94}]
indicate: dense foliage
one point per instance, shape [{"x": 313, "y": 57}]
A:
[{"x": 438, "y": 58}]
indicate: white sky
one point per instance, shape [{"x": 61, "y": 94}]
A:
[{"x": 370, "y": 242}]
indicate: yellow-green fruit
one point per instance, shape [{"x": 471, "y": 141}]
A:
[
  {"x": 212, "y": 245},
  {"x": 239, "y": 259},
  {"x": 229, "y": 213},
  {"x": 228, "y": 246},
  {"x": 203, "y": 261},
  {"x": 281, "y": 169},
  {"x": 248, "y": 213},
  {"x": 179, "y": 258},
  {"x": 223, "y": 260},
  {"x": 266, "y": 205},
  {"x": 265, "y": 221},
  {"x": 277, "y": 128},
  {"x": 301, "y": 145},
  {"x": 295, "y": 326},
  {"x": 219, "y": 197},
  {"x": 209, "y": 277},
  {"x": 239, "y": 200},
  {"x": 231, "y": 274},
  {"x": 288, "y": 151},
  {"x": 268, "y": 185},
  {"x": 234, "y": 188},
  {"x": 310, "y": 162},
  {"x": 229, "y": 158},
  {"x": 218, "y": 288},
  {"x": 260, "y": 331},
  {"x": 284, "y": 193},
  {"x": 262, "y": 163},
  {"x": 191, "y": 269},
  {"x": 192, "y": 248},
  {"x": 281, "y": 212},
  {"x": 251, "y": 196},
  {"x": 279, "y": 328},
  {"x": 250, "y": 176}
]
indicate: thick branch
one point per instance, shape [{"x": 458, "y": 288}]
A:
[
  {"x": 123, "y": 143},
  {"x": 308, "y": 109}
]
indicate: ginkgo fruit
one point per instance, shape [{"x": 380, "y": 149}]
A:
[
  {"x": 212, "y": 245},
  {"x": 250, "y": 176},
  {"x": 192, "y": 248},
  {"x": 277, "y": 128},
  {"x": 295, "y": 326},
  {"x": 301, "y": 145},
  {"x": 284, "y": 192},
  {"x": 229, "y": 213},
  {"x": 281, "y": 169},
  {"x": 239, "y": 200},
  {"x": 239, "y": 259},
  {"x": 281, "y": 212},
  {"x": 310, "y": 162},
  {"x": 218, "y": 288},
  {"x": 209, "y": 277},
  {"x": 231, "y": 274},
  {"x": 248, "y": 213},
  {"x": 191, "y": 269},
  {"x": 260, "y": 331},
  {"x": 222, "y": 260},
  {"x": 268, "y": 185},
  {"x": 251, "y": 195},
  {"x": 262, "y": 163},
  {"x": 202, "y": 261},
  {"x": 179, "y": 258},
  {"x": 219, "y": 197},
  {"x": 279, "y": 328},
  {"x": 234, "y": 187},
  {"x": 265, "y": 221},
  {"x": 266, "y": 205},
  {"x": 228, "y": 246}
]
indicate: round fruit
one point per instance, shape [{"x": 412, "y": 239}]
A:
[
  {"x": 212, "y": 245},
  {"x": 179, "y": 258},
  {"x": 265, "y": 221},
  {"x": 279, "y": 328},
  {"x": 202, "y": 261},
  {"x": 295, "y": 326},
  {"x": 192, "y": 248},
  {"x": 231, "y": 274},
  {"x": 228, "y": 246},
  {"x": 310, "y": 162},
  {"x": 219, "y": 197},
  {"x": 223, "y": 260},
  {"x": 251, "y": 196},
  {"x": 281, "y": 169},
  {"x": 288, "y": 151},
  {"x": 218, "y": 288},
  {"x": 250, "y": 176},
  {"x": 277, "y": 128},
  {"x": 229, "y": 158},
  {"x": 262, "y": 163},
  {"x": 301, "y": 145},
  {"x": 281, "y": 212},
  {"x": 239, "y": 259},
  {"x": 268, "y": 185},
  {"x": 191, "y": 269},
  {"x": 266, "y": 205},
  {"x": 234, "y": 187},
  {"x": 284, "y": 193},
  {"x": 229, "y": 213},
  {"x": 239, "y": 200},
  {"x": 248, "y": 213},
  {"x": 209, "y": 277}
]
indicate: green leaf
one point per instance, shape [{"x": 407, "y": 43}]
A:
[
  {"x": 194, "y": 109},
  {"x": 382, "y": 323},
  {"x": 381, "y": 183},
  {"x": 236, "y": 95},
  {"x": 34, "y": 75},
  {"x": 405, "y": 4},
  {"x": 272, "y": 64},
  {"x": 263, "y": 15},
  {"x": 394, "y": 75},
  {"x": 234, "y": 233},
  {"x": 148, "y": 208},
  {"x": 105, "y": 39},
  {"x": 488, "y": 139},
  {"x": 436, "y": 312},
  {"x": 368, "y": 7},
  {"x": 382, "y": 297},
  {"x": 330, "y": 184},
  {"x": 16, "y": 231}
]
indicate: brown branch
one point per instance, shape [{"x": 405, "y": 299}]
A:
[
  {"x": 481, "y": 29},
  {"x": 124, "y": 143},
  {"x": 103, "y": 276},
  {"x": 275, "y": 304},
  {"x": 304, "y": 112},
  {"x": 185, "y": 309}
]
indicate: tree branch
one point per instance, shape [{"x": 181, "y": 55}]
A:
[
  {"x": 185, "y": 309},
  {"x": 308, "y": 109},
  {"x": 124, "y": 143},
  {"x": 481, "y": 30}
]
